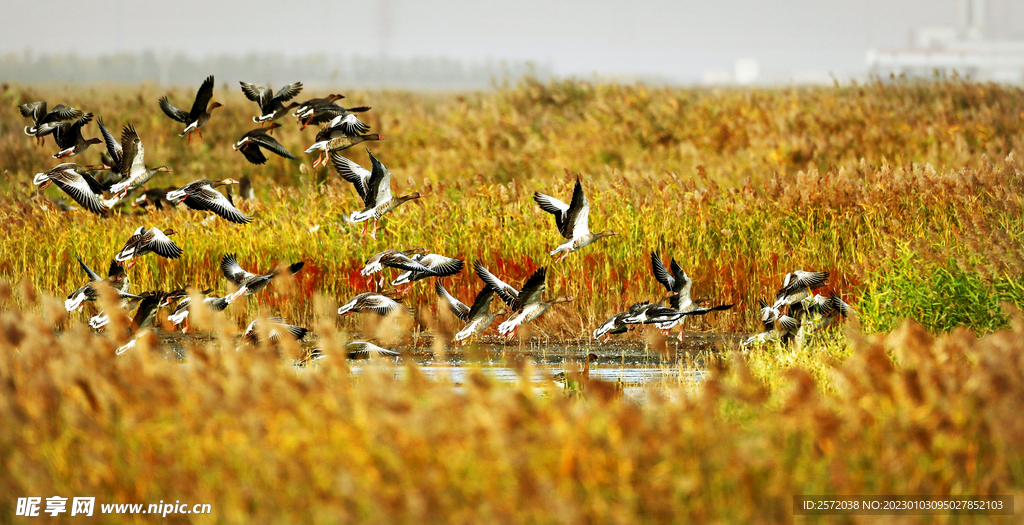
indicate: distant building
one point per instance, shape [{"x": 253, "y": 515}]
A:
[{"x": 978, "y": 49}]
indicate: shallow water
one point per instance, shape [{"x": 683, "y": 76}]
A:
[{"x": 633, "y": 365}]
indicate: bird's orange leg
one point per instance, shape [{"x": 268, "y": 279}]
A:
[
  {"x": 374, "y": 234},
  {"x": 188, "y": 140}
]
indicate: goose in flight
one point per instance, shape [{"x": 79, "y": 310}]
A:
[
  {"x": 201, "y": 195},
  {"x": 798, "y": 285},
  {"x": 68, "y": 136},
  {"x": 271, "y": 104},
  {"x": 45, "y": 122},
  {"x": 130, "y": 159},
  {"x": 254, "y": 142},
  {"x": 681, "y": 284},
  {"x": 342, "y": 132},
  {"x": 79, "y": 185},
  {"x": 571, "y": 220},
  {"x": 246, "y": 282},
  {"x": 528, "y": 304},
  {"x": 377, "y": 197},
  {"x": 200, "y": 113},
  {"x": 436, "y": 266},
  {"x": 152, "y": 241},
  {"x": 477, "y": 317},
  {"x": 364, "y": 350},
  {"x": 379, "y": 303},
  {"x": 117, "y": 278}
]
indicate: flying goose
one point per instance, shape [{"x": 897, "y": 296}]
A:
[
  {"x": 477, "y": 317},
  {"x": 128, "y": 303},
  {"x": 379, "y": 303},
  {"x": 437, "y": 266},
  {"x": 571, "y": 220},
  {"x": 320, "y": 113},
  {"x": 342, "y": 132},
  {"x": 307, "y": 107},
  {"x": 276, "y": 327},
  {"x": 817, "y": 313},
  {"x": 798, "y": 285},
  {"x": 144, "y": 317},
  {"x": 200, "y": 113},
  {"x": 364, "y": 350},
  {"x": 142, "y": 242},
  {"x": 117, "y": 278},
  {"x": 254, "y": 142},
  {"x": 271, "y": 104},
  {"x": 394, "y": 259},
  {"x": 528, "y": 305},
  {"x": 614, "y": 325},
  {"x": 184, "y": 308},
  {"x": 679, "y": 282},
  {"x": 377, "y": 196},
  {"x": 45, "y": 122},
  {"x": 617, "y": 323},
  {"x": 246, "y": 282},
  {"x": 68, "y": 136},
  {"x": 201, "y": 195},
  {"x": 80, "y": 186},
  {"x": 132, "y": 163},
  {"x": 782, "y": 329}
]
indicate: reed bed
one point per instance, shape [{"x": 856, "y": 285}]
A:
[{"x": 909, "y": 193}]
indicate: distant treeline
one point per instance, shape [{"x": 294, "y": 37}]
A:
[{"x": 277, "y": 69}]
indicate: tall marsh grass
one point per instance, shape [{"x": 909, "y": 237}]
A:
[
  {"x": 911, "y": 194},
  {"x": 263, "y": 442}
]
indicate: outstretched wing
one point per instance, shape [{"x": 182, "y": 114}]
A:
[
  {"x": 353, "y": 173},
  {"x": 113, "y": 147},
  {"x": 505, "y": 292},
  {"x": 232, "y": 271},
  {"x": 82, "y": 188},
  {"x": 203, "y": 97},
  {"x": 457, "y": 307},
  {"x": 576, "y": 218},
  {"x": 266, "y": 141},
  {"x": 533, "y": 290},
  {"x": 661, "y": 274},
  {"x": 210, "y": 199},
  {"x": 171, "y": 111},
  {"x": 253, "y": 92},
  {"x": 133, "y": 160},
  {"x": 683, "y": 282},
  {"x": 482, "y": 303},
  {"x": 552, "y": 206},
  {"x": 288, "y": 92},
  {"x": 442, "y": 266},
  {"x": 162, "y": 245},
  {"x": 379, "y": 185},
  {"x": 254, "y": 155},
  {"x": 93, "y": 276},
  {"x": 35, "y": 110}
]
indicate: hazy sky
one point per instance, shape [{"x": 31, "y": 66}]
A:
[{"x": 673, "y": 39}]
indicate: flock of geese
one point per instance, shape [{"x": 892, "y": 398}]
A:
[{"x": 796, "y": 313}]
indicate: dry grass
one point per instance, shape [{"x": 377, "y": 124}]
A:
[{"x": 905, "y": 413}]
